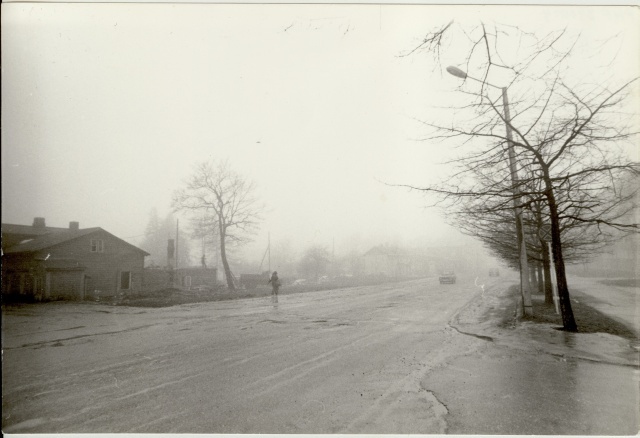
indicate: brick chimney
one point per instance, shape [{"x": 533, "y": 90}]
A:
[
  {"x": 74, "y": 226},
  {"x": 38, "y": 222}
]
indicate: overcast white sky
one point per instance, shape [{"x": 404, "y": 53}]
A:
[{"x": 107, "y": 106}]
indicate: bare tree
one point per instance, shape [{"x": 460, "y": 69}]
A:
[
  {"x": 204, "y": 230},
  {"x": 315, "y": 261},
  {"x": 226, "y": 202},
  {"x": 566, "y": 136}
]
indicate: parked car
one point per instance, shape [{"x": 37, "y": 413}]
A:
[
  {"x": 448, "y": 277},
  {"x": 494, "y": 272}
]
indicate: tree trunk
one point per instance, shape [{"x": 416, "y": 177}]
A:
[
  {"x": 540, "y": 278},
  {"x": 225, "y": 262},
  {"x": 568, "y": 321},
  {"x": 546, "y": 266},
  {"x": 533, "y": 278},
  {"x": 544, "y": 275}
]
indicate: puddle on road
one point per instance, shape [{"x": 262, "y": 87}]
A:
[
  {"x": 598, "y": 345},
  {"x": 488, "y": 393},
  {"x": 388, "y": 306},
  {"x": 275, "y": 321}
]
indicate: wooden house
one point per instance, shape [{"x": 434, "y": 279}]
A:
[{"x": 68, "y": 263}]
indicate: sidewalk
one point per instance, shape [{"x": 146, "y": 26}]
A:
[
  {"x": 492, "y": 314},
  {"x": 613, "y": 297},
  {"x": 531, "y": 378}
]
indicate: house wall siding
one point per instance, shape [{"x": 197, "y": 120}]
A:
[
  {"x": 19, "y": 273},
  {"x": 103, "y": 269},
  {"x": 66, "y": 285}
]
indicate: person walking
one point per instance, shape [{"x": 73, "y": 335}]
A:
[{"x": 275, "y": 285}]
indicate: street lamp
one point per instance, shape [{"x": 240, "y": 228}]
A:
[{"x": 525, "y": 289}]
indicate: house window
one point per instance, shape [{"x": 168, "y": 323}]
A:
[
  {"x": 97, "y": 245},
  {"x": 125, "y": 279},
  {"x": 186, "y": 281}
]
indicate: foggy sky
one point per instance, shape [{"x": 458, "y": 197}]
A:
[{"x": 106, "y": 108}]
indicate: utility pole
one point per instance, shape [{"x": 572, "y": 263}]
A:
[{"x": 525, "y": 288}]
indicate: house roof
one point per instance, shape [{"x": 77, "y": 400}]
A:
[
  {"x": 48, "y": 240},
  {"x": 54, "y": 236},
  {"x": 28, "y": 229}
]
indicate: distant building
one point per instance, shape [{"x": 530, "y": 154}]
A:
[
  {"x": 68, "y": 263},
  {"x": 393, "y": 261},
  {"x": 193, "y": 277},
  {"x": 399, "y": 262},
  {"x": 184, "y": 278}
]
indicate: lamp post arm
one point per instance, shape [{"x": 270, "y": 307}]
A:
[
  {"x": 485, "y": 83},
  {"x": 455, "y": 71}
]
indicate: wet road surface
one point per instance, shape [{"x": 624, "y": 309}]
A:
[{"x": 380, "y": 359}]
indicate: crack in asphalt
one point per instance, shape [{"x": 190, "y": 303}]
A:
[
  {"x": 55, "y": 341},
  {"x": 484, "y": 338},
  {"x": 441, "y": 403}
]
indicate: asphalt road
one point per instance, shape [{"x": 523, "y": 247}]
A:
[
  {"x": 344, "y": 361},
  {"x": 379, "y": 359}
]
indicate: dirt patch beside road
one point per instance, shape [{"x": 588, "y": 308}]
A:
[
  {"x": 588, "y": 319},
  {"x": 501, "y": 311}
]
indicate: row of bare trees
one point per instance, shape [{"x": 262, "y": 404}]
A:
[{"x": 573, "y": 180}]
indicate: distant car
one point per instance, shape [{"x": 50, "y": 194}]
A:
[
  {"x": 494, "y": 272},
  {"x": 447, "y": 277},
  {"x": 299, "y": 281}
]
